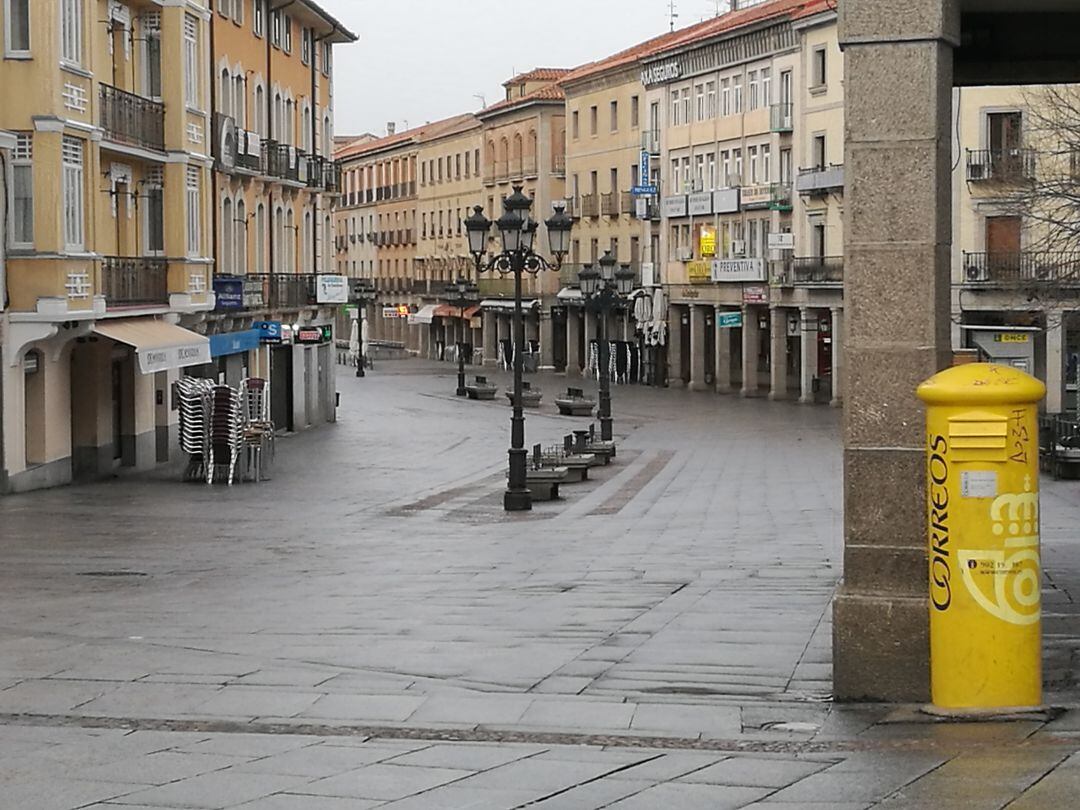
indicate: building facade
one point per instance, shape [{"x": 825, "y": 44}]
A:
[{"x": 110, "y": 238}]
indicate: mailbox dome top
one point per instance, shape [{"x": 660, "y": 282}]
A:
[{"x": 982, "y": 384}]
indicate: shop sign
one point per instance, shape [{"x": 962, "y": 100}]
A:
[
  {"x": 755, "y": 295},
  {"x": 229, "y": 293},
  {"x": 756, "y": 196},
  {"x": 726, "y": 201},
  {"x": 269, "y": 331},
  {"x": 399, "y": 311},
  {"x": 701, "y": 203},
  {"x": 698, "y": 272},
  {"x": 1010, "y": 337},
  {"x": 154, "y": 360},
  {"x": 235, "y": 342},
  {"x": 729, "y": 320},
  {"x": 645, "y": 171},
  {"x": 690, "y": 292},
  {"x": 738, "y": 270},
  {"x": 648, "y": 274},
  {"x": 644, "y": 191},
  {"x": 781, "y": 241},
  {"x": 308, "y": 335},
  {"x": 658, "y": 74},
  {"x": 708, "y": 240},
  {"x": 674, "y": 206},
  {"x": 331, "y": 289}
]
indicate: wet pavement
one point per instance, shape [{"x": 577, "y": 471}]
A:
[{"x": 370, "y": 629}]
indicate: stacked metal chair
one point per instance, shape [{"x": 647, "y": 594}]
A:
[
  {"x": 259, "y": 429},
  {"x": 226, "y": 437},
  {"x": 194, "y": 396}
]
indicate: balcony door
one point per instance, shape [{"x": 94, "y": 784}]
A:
[
  {"x": 785, "y": 89},
  {"x": 1004, "y": 132},
  {"x": 151, "y": 62},
  {"x": 1003, "y": 236}
]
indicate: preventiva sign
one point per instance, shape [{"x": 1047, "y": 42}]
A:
[{"x": 658, "y": 74}]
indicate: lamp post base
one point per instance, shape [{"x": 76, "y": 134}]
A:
[
  {"x": 360, "y": 367},
  {"x": 606, "y": 432},
  {"x": 517, "y": 500}
]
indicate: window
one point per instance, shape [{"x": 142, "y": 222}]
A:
[
  {"x": 752, "y": 155},
  {"x": 710, "y": 170},
  {"x": 257, "y": 21},
  {"x": 194, "y": 212},
  {"x": 238, "y": 12},
  {"x": 766, "y": 87},
  {"x": 71, "y": 31},
  {"x": 785, "y": 166},
  {"x": 287, "y": 26},
  {"x": 155, "y": 218},
  {"x": 241, "y": 237},
  {"x": 191, "y": 61},
  {"x": 710, "y": 99},
  {"x": 457, "y": 167},
  {"x": 819, "y": 72},
  {"x": 686, "y": 173},
  {"x": 423, "y": 174},
  {"x": 615, "y": 116},
  {"x": 684, "y": 103},
  {"x": 468, "y": 156},
  {"x": 725, "y": 97},
  {"x": 151, "y": 35},
  {"x": 766, "y": 164},
  {"x": 752, "y": 89},
  {"x": 736, "y": 100},
  {"x": 614, "y": 180},
  {"x": 305, "y": 45},
  {"x": 326, "y": 58},
  {"x": 752, "y": 239},
  {"x": 676, "y": 118},
  {"x": 736, "y": 155},
  {"x": 17, "y": 14},
  {"x": 227, "y": 239},
  {"x": 699, "y": 173},
  {"x": 74, "y": 192},
  {"x": 476, "y": 161},
  {"x": 275, "y": 28},
  {"x": 819, "y": 152},
  {"x": 699, "y": 96},
  {"x": 676, "y": 180},
  {"x": 22, "y": 196},
  {"x": 725, "y": 164},
  {"x": 593, "y": 120},
  {"x": 635, "y": 112}
]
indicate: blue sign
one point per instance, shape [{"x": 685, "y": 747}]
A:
[
  {"x": 646, "y": 166},
  {"x": 230, "y": 292},
  {"x": 729, "y": 320},
  {"x": 234, "y": 342},
  {"x": 644, "y": 191},
  {"x": 269, "y": 331}
]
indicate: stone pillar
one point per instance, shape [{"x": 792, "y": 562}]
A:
[
  {"x": 675, "y": 347},
  {"x": 778, "y": 353},
  {"x": 1055, "y": 361},
  {"x": 897, "y": 300},
  {"x": 722, "y": 372},
  {"x": 750, "y": 338},
  {"x": 838, "y": 344},
  {"x": 491, "y": 337},
  {"x": 573, "y": 335},
  {"x": 547, "y": 340},
  {"x": 808, "y": 354},
  {"x": 697, "y": 349}
]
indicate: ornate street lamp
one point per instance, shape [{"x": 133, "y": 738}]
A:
[
  {"x": 461, "y": 293},
  {"x": 517, "y": 231},
  {"x": 602, "y": 289},
  {"x": 363, "y": 292}
]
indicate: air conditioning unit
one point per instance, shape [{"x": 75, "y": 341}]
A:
[
  {"x": 684, "y": 254},
  {"x": 738, "y": 247},
  {"x": 224, "y": 145},
  {"x": 976, "y": 272}
]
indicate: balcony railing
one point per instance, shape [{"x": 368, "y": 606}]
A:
[
  {"x": 1027, "y": 266},
  {"x": 820, "y": 181},
  {"x": 495, "y": 287},
  {"x": 817, "y": 271},
  {"x": 558, "y": 165},
  {"x": 609, "y": 204},
  {"x": 134, "y": 281},
  {"x": 650, "y": 141},
  {"x": 279, "y": 290},
  {"x": 781, "y": 197},
  {"x": 781, "y": 117},
  {"x": 528, "y": 166},
  {"x": 1001, "y": 165},
  {"x": 590, "y": 205},
  {"x": 627, "y": 203},
  {"x": 131, "y": 119}
]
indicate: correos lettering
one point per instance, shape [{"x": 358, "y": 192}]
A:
[{"x": 940, "y": 558}]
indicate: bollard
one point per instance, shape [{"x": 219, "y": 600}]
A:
[{"x": 985, "y": 576}]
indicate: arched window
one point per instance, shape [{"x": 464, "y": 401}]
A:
[
  {"x": 260, "y": 110},
  {"x": 305, "y": 129},
  {"x": 290, "y": 242},
  {"x": 260, "y": 239},
  {"x": 226, "y": 92},
  {"x": 279, "y": 240},
  {"x": 240, "y": 102},
  {"x": 327, "y": 136},
  {"x": 227, "y": 237},
  {"x": 306, "y": 244},
  {"x": 279, "y": 125},
  {"x": 241, "y": 237},
  {"x": 326, "y": 237}
]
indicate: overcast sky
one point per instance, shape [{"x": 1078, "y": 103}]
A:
[{"x": 422, "y": 60}]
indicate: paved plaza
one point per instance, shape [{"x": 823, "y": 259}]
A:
[{"x": 370, "y": 629}]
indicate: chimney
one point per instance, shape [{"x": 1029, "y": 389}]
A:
[{"x": 391, "y": 127}]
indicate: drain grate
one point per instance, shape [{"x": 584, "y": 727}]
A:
[{"x": 112, "y": 574}]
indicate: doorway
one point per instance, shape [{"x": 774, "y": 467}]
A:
[{"x": 281, "y": 376}]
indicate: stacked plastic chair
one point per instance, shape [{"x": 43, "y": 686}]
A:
[
  {"x": 226, "y": 431},
  {"x": 259, "y": 429},
  {"x": 194, "y": 396}
]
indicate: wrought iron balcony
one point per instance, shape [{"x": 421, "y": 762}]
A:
[
  {"x": 1001, "y": 165},
  {"x": 781, "y": 117},
  {"x": 817, "y": 271},
  {"x": 609, "y": 204},
  {"x": 131, "y": 119},
  {"x": 495, "y": 287},
  {"x": 820, "y": 181},
  {"x": 1022, "y": 267},
  {"x": 128, "y": 281},
  {"x": 279, "y": 290},
  {"x": 590, "y": 205},
  {"x": 558, "y": 165}
]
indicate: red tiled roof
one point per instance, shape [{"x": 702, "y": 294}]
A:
[
  {"x": 551, "y": 92},
  {"x": 538, "y": 75},
  {"x": 432, "y": 129}
]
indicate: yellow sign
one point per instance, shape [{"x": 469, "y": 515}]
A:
[
  {"x": 708, "y": 240},
  {"x": 699, "y": 272},
  {"x": 1011, "y": 337},
  {"x": 983, "y": 516}
]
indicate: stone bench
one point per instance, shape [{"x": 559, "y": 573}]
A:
[
  {"x": 481, "y": 389},
  {"x": 575, "y": 403},
  {"x": 543, "y": 483},
  {"x": 530, "y": 397},
  {"x": 577, "y": 464},
  {"x": 585, "y": 441}
]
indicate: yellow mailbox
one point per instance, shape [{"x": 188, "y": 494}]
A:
[{"x": 983, "y": 494}]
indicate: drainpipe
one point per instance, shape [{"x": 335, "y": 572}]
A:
[
  {"x": 3, "y": 308},
  {"x": 213, "y": 169},
  {"x": 316, "y": 215}
]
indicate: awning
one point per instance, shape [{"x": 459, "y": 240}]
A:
[
  {"x": 426, "y": 314},
  {"x": 570, "y": 294},
  {"x": 159, "y": 345},
  {"x": 235, "y": 342},
  {"x": 448, "y": 311},
  {"x": 506, "y": 304}
]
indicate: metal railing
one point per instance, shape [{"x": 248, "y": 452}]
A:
[
  {"x": 558, "y": 165},
  {"x": 1022, "y": 266},
  {"x": 817, "y": 271},
  {"x": 495, "y": 287},
  {"x": 132, "y": 119},
  {"x": 781, "y": 117},
  {"x": 627, "y": 203},
  {"x": 590, "y": 205},
  {"x": 609, "y": 204},
  {"x": 134, "y": 281},
  {"x": 781, "y": 197},
  {"x": 279, "y": 290},
  {"x": 820, "y": 180},
  {"x": 1001, "y": 165}
]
